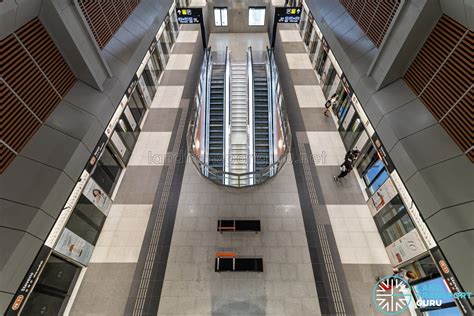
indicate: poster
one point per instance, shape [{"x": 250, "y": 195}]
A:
[
  {"x": 382, "y": 196},
  {"x": 74, "y": 247},
  {"x": 405, "y": 248},
  {"x": 118, "y": 143},
  {"x": 97, "y": 196}
]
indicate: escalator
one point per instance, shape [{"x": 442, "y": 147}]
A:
[
  {"x": 261, "y": 117},
  {"x": 216, "y": 118}
]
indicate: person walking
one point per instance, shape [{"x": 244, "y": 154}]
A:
[
  {"x": 345, "y": 168},
  {"x": 329, "y": 103}
]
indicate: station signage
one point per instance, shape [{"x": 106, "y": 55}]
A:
[
  {"x": 288, "y": 14},
  {"x": 189, "y": 15},
  {"x": 463, "y": 300},
  {"x": 29, "y": 281}
]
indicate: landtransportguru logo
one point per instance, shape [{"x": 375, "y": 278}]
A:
[{"x": 392, "y": 295}]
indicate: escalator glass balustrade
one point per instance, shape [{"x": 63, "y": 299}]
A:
[{"x": 239, "y": 134}]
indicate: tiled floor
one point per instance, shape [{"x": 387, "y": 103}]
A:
[
  {"x": 298, "y": 61},
  {"x": 179, "y": 61},
  {"x": 310, "y": 96},
  {"x": 150, "y": 149},
  {"x": 167, "y": 97},
  {"x": 286, "y": 287}
]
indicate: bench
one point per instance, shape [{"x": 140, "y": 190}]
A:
[
  {"x": 238, "y": 226},
  {"x": 239, "y": 265}
]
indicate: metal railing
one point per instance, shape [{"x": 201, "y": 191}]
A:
[{"x": 239, "y": 180}]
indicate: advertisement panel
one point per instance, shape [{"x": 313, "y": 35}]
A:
[
  {"x": 413, "y": 211},
  {"x": 405, "y": 248},
  {"x": 382, "y": 196},
  {"x": 74, "y": 247},
  {"x": 94, "y": 193}
]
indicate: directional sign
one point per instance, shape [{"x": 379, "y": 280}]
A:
[
  {"x": 189, "y": 15},
  {"x": 288, "y": 14}
]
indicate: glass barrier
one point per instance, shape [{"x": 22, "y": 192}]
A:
[{"x": 282, "y": 136}]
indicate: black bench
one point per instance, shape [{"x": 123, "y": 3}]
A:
[
  {"x": 239, "y": 265},
  {"x": 238, "y": 226}
]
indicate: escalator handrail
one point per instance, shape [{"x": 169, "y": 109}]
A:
[
  {"x": 227, "y": 116},
  {"x": 251, "y": 106}
]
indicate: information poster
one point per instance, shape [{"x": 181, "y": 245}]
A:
[
  {"x": 382, "y": 196},
  {"x": 405, "y": 248},
  {"x": 74, "y": 247},
  {"x": 97, "y": 196}
]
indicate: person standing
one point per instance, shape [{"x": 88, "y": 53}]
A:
[
  {"x": 329, "y": 103},
  {"x": 345, "y": 168}
]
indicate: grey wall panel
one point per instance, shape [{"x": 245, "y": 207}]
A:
[
  {"x": 452, "y": 219},
  {"x": 386, "y": 134},
  {"x": 134, "y": 26},
  {"x": 393, "y": 97},
  {"x": 121, "y": 72},
  {"x": 115, "y": 90},
  {"x": 400, "y": 158},
  {"x": 25, "y": 218},
  {"x": 430, "y": 146},
  {"x": 421, "y": 193},
  {"x": 91, "y": 101},
  {"x": 469, "y": 6},
  {"x": 76, "y": 123},
  {"x": 5, "y": 299},
  {"x": 69, "y": 32},
  {"x": 409, "y": 118},
  {"x": 7, "y": 18},
  {"x": 459, "y": 249},
  {"x": 455, "y": 9},
  {"x": 32, "y": 183},
  {"x": 26, "y": 11},
  {"x": 451, "y": 182},
  {"x": 18, "y": 251},
  {"x": 57, "y": 150}
]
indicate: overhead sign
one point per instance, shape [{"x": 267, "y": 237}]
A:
[
  {"x": 288, "y": 14},
  {"x": 189, "y": 15}
]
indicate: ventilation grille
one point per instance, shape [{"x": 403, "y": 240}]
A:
[
  {"x": 442, "y": 76},
  {"x": 34, "y": 78},
  {"x": 106, "y": 16},
  {"x": 373, "y": 16}
]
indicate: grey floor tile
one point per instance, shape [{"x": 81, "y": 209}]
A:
[
  {"x": 315, "y": 121},
  {"x": 294, "y": 47},
  {"x": 184, "y": 48},
  {"x": 346, "y": 191},
  {"x": 174, "y": 78},
  {"x": 139, "y": 185},
  {"x": 104, "y": 289},
  {"x": 160, "y": 120},
  {"x": 302, "y": 77}
]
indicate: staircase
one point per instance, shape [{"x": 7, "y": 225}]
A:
[
  {"x": 262, "y": 145},
  {"x": 216, "y": 115},
  {"x": 239, "y": 101}
]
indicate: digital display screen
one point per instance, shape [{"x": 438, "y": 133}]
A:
[
  {"x": 288, "y": 14},
  {"x": 189, "y": 15}
]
